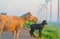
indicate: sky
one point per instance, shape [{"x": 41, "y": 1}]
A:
[
  {"x": 15, "y": 7},
  {"x": 20, "y": 7}
]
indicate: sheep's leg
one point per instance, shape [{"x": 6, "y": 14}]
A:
[
  {"x": 14, "y": 33},
  {"x": 0, "y": 33},
  {"x": 18, "y": 33},
  {"x": 40, "y": 33},
  {"x": 1, "y": 29},
  {"x": 31, "y": 32}
]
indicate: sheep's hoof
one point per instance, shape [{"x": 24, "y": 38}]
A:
[
  {"x": 41, "y": 38},
  {"x": 34, "y": 36}
]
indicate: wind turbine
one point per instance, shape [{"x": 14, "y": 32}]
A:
[
  {"x": 58, "y": 12},
  {"x": 50, "y": 10},
  {"x": 46, "y": 3}
]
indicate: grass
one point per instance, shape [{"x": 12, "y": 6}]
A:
[{"x": 51, "y": 31}]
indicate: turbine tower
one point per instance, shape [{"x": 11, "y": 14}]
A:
[
  {"x": 46, "y": 3},
  {"x": 50, "y": 10},
  {"x": 58, "y": 12}
]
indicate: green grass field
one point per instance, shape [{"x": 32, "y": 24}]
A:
[{"x": 51, "y": 31}]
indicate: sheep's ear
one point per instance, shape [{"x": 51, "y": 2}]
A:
[
  {"x": 29, "y": 12},
  {"x": 44, "y": 20}
]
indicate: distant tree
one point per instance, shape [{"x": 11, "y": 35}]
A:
[{"x": 3, "y": 13}]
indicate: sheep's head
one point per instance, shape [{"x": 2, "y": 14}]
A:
[{"x": 44, "y": 22}]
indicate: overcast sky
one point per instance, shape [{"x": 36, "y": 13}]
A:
[{"x": 19, "y": 7}]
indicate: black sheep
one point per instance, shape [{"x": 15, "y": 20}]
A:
[{"x": 37, "y": 26}]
